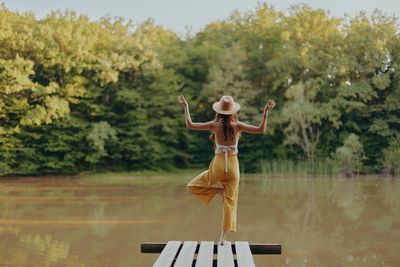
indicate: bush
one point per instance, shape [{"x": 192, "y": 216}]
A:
[
  {"x": 347, "y": 160},
  {"x": 391, "y": 156}
]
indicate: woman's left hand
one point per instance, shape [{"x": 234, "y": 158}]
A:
[{"x": 270, "y": 105}]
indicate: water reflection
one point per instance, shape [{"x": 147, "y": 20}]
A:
[{"x": 101, "y": 222}]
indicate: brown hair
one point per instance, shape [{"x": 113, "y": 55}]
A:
[{"x": 226, "y": 121}]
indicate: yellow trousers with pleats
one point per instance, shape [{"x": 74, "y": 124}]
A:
[{"x": 203, "y": 187}]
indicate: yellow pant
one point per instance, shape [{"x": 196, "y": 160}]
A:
[{"x": 203, "y": 187}]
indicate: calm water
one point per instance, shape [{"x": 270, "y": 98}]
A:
[{"x": 102, "y": 221}]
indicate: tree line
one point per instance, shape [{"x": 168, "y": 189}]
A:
[{"x": 80, "y": 95}]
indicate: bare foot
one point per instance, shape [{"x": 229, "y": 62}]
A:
[
  {"x": 223, "y": 242},
  {"x": 222, "y": 239}
]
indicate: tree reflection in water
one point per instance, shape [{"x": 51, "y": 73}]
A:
[{"x": 101, "y": 222}]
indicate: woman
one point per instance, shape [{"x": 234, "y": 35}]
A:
[{"x": 224, "y": 168}]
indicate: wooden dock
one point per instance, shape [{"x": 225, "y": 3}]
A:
[{"x": 193, "y": 253}]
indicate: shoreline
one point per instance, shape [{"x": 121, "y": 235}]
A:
[{"x": 175, "y": 172}]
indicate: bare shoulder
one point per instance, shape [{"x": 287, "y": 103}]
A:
[
  {"x": 212, "y": 123},
  {"x": 239, "y": 125}
]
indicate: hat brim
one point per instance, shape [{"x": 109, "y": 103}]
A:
[{"x": 217, "y": 108}]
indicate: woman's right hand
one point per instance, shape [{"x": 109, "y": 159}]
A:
[{"x": 182, "y": 101}]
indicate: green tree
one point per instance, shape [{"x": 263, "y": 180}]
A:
[
  {"x": 301, "y": 117},
  {"x": 99, "y": 134},
  {"x": 391, "y": 156},
  {"x": 348, "y": 158},
  {"x": 228, "y": 77}
]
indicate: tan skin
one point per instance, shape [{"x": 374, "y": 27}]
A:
[{"x": 216, "y": 127}]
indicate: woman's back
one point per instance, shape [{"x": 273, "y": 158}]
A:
[{"x": 219, "y": 134}]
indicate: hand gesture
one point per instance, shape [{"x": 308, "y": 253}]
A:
[
  {"x": 182, "y": 101},
  {"x": 270, "y": 105}
]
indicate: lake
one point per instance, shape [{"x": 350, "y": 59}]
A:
[{"x": 101, "y": 220}]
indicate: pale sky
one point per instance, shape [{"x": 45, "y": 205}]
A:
[{"x": 177, "y": 14}]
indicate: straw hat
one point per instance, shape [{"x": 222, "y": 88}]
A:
[{"x": 226, "y": 105}]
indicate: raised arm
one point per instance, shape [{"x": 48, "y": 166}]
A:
[
  {"x": 194, "y": 125},
  {"x": 263, "y": 124}
]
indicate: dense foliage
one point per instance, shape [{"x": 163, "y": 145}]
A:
[{"x": 80, "y": 95}]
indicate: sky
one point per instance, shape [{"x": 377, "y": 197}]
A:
[{"x": 180, "y": 15}]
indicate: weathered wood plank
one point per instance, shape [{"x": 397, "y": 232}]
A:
[
  {"x": 225, "y": 256},
  {"x": 243, "y": 254},
  {"x": 262, "y": 248},
  {"x": 186, "y": 254},
  {"x": 168, "y": 254},
  {"x": 205, "y": 255},
  {"x": 256, "y": 248},
  {"x": 152, "y": 247}
]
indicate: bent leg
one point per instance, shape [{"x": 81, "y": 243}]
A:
[{"x": 199, "y": 186}]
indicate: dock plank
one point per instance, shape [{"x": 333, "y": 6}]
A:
[
  {"x": 186, "y": 255},
  {"x": 243, "y": 254},
  {"x": 205, "y": 255},
  {"x": 225, "y": 256},
  {"x": 168, "y": 254},
  {"x": 256, "y": 248}
]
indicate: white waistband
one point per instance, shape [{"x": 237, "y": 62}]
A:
[{"x": 226, "y": 149}]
